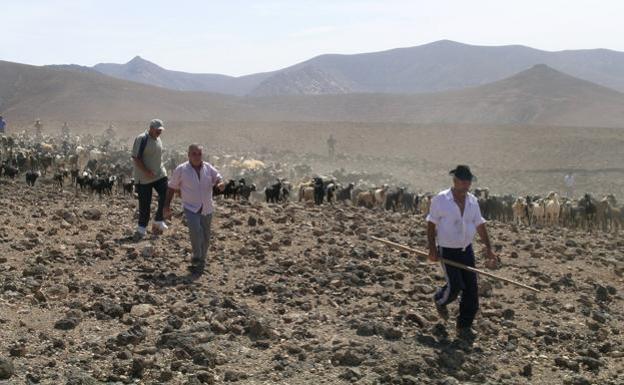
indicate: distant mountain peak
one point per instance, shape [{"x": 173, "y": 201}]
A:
[
  {"x": 543, "y": 67},
  {"x": 138, "y": 61},
  {"x": 542, "y": 71},
  {"x": 547, "y": 83},
  {"x": 307, "y": 80},
  {"x": 446, "y": 42}
]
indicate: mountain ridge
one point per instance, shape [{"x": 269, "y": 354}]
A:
[
  {"x": 436, "y": 66},
  {"x": 539, "y": 95}
]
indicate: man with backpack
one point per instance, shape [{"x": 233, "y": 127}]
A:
[{"x": 150, "y": 173}]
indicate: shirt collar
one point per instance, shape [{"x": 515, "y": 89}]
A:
[
  {"x": 190, "y": 166},
  {"x": 449, "y": 195}
]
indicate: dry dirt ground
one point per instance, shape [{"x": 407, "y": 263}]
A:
[{"x": 291, "y": 294}]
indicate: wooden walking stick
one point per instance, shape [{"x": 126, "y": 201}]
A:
[{"x": 453, "y": 263}]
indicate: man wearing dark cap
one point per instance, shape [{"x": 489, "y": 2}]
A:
[
  {"x": 454, "y": 218},
  {"x": 150, "y": 173}
]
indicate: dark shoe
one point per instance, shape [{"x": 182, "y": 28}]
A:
[
  {"x": 439, "y": 330},
  {"x": 466, "y": 333},
  {"x": 197, "y": 262},
  {"x": 197, "y": 265},
  {"x": 196, "y": 270},
  {"x": 443, "y": 312}
]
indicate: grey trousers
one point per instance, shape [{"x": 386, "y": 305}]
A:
[{"x": 199, "y": 230}]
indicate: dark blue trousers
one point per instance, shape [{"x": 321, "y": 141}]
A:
[{"x": 459, "y": 280}]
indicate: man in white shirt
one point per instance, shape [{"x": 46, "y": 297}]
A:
[
  {"x": 195, "y": 180},
  {"x": 454, "y": 218}
]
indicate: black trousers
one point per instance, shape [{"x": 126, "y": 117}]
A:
[
  {"x": 145, "y": 200},
  {"x": 459, "y": 280}
]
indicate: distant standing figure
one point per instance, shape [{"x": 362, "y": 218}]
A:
[
  {"x": 569, "y": 184},
  {"x": 65, "y": 130},
  {"x": 110, "y": 132},
  {"x": 38, "y": 127},
  {"x": 331, "y": 146},
  {"x": 2, "y": 125}
]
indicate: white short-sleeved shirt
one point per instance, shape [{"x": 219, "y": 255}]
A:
[
  {"x": 453, "y": 230},
  {"x": 196, "y": 192}
]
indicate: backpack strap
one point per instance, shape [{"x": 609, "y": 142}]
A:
[{"x": 142, "y": 147}]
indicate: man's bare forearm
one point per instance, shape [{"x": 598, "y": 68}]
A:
[
  {"x": 483, "y": 234},
  {"x": 169, "y": 197},
  {"x": 431, "y": 234}
]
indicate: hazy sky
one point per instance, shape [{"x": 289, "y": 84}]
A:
[{"x": 237, "y": 37}]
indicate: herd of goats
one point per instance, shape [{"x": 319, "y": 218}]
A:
[{"x": 102, "y": 166}]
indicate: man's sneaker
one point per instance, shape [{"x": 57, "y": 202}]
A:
[
  {"x": 159, "y": 227},
  {"x": 443, "y": 312},
  {"x": 139, "y": 233}
]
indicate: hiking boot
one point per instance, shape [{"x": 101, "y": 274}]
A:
[{"x": 443, "y": 312}]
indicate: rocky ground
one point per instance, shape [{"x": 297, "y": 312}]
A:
[{"x": 291, "y": 294}]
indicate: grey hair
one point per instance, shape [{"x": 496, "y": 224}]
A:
[
  {"x": 156, "y": 123},
  {"x": 196, "y": 146}
]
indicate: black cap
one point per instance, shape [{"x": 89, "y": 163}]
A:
[{"x": 462, "y": 172}]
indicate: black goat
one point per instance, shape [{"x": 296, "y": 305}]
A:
[
  {"x": 394, "y": 199},
  {"x": 83, "y": 181},
  {"x": 230, "y": 190},
  {"x": 31, "y": 177},
  {"x": 9, "y": 171},
  {"x": 59, "y": 178},
  {"x": 274, "y": 192},
  {"x": 345, "y": 193},
  {"x": 319, "y": 190},
  {"x": 245, "y": 191},
  {"x": 128, "y": 187}
]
